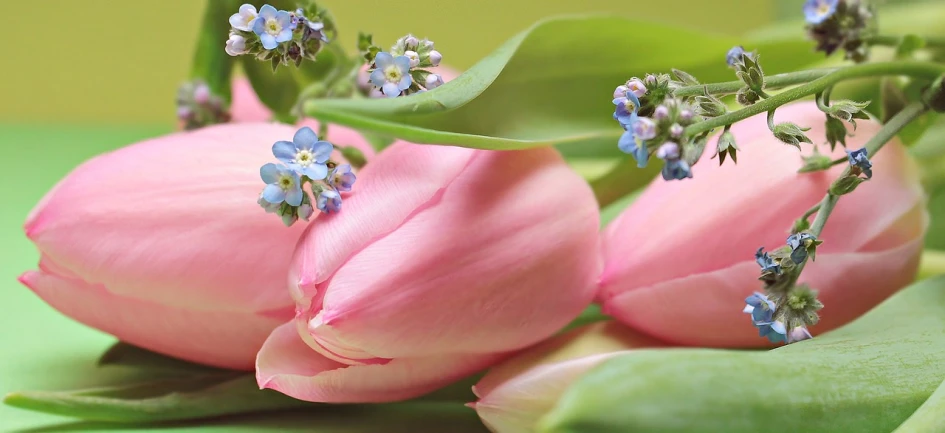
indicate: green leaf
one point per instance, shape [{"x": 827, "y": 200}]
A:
[
  {"x": 210, "y": 395},
  {"x": 211, "y": 62},
  {"x": 930, "y": 417},
  {"x": 278, "y": 90},
  {"x": 909, "y": 45},
  {"x": 545, "y": 86},
  {"x": 868, "y": 376}
]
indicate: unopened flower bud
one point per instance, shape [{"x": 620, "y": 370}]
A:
[
  {"x": 411, "y": 42},
  {"x": 620, "y": 92},
  {"x": 236, "y": 45},
  {"x": 433, "y": 81},
  {"x": 636, "y": 86},
  {"x": 413, "y": 57},
  {"x": 435, "y": 57},
  {"x": 676, "y": 130},
  {"x": 661, "y": 113},
  {"x": 668, "y": 150},
  {"x": 306, "y": 211},
  {"x": 791, "y": 134}
]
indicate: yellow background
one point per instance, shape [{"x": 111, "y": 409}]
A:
[{"x": 111, "y": 61}]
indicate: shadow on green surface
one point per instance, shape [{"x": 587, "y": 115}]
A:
[{"x": 391, "y": 418}]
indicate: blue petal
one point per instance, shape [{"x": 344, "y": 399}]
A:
[
  {"x": 294, "y": 195},
  {"x": 642, "y": 155},
  {"x": 236, "y": 21},
  {"x": 316, "y": 171},
  {"x": 284, "y": 151},
  {"x": 383, "y": 60},
  {"x": 269, "y": 173},
  {"x": 267, "y": 11},
  {"x": 305, "y": 138},
  {"x": 284, "y": 19},
  {"x": 259, "y": 26},
  {"x": 405, "y": 82},
  {"x": 284, "y": 35},
  {"x": 627, "y": 143},
  {"x": 268, "y": 42},
  {"x": 636, "y": 101},
  {"x": 377, "y": 78},
  {"x": 273, "y": 194},
  {"x": 391, "y": 90},
  {"x": 402, "y": 63},
  {"x": 322, "y": 151}
]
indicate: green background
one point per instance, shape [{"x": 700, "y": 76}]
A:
[{"x": 83, "y": 77}]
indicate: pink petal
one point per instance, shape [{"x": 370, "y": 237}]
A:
[
  {"x": 686, "y": 237},
  {"x": 515, "y": 394},
  {"x": 219, "y": 338},
  {"x": 453, "y": 276},
  {"x": 287, "y": 365},
  {"x": 246, "y": 106}
]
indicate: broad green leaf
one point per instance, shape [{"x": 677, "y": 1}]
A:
[
  {"x": 930, "y": 417},
  {"x": 549, "y": 85},
  {"x": 868, "y": 376},
  {"x": 184, "y": 398},
  {"x": 211, "y": 63},
  {"x": 278, "y": 90}
]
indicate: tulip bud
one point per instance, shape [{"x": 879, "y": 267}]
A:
[
  {"x": 445, "y": 225},
  {"x": 163, "y": 244},
  {"x": 871, "y": 249},
  {"x": 515, "y": 394}
]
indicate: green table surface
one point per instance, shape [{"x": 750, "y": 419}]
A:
[{"x": 44, "y": 350}]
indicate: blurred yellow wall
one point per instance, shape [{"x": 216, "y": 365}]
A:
[{"x": 114, "y": 61}]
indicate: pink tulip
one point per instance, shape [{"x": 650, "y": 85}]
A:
[
  {"x": 162, "y": 244},
  {"x": 514, "y": 395},
  {"x": 443, "y": 259},
  {"x": 679, "y": 261}
]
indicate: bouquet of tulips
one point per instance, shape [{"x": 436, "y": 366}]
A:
[{"x": 375, "y": 227}]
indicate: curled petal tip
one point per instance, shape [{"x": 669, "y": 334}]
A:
[
  {"x": 28, "y": 279},
  {"x": 471, "y": 405}
]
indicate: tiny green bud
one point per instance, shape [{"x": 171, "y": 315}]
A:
[
  {"x": 693, "y": 150},
  {"x": 815, "y": 162},
  {"x": 748, "y": 69},
  {"x": 710, "y": 106},
  {"x": 836, "y": 132},
  {"x": 684, "y": 77},
  {"x": 845, "y": 184},
  {"x": 801, "y": 306},
  {"x": 848, "y": 111},
  {"x": 354, "y": 156},
  {"x": 800, "y": 225},
  {"x": 746, "y": 96},
  {"x": 790, "y": 133},
  {"x": 726, "y": 147}
]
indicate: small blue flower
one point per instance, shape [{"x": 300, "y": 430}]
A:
[
  {"x": 799, "y": 243},
  {"x": 766, "y": 263},
  {"x": 283, "y": 185},
  {"x": 342, "y": 178},
  {"x": 760, "y": 307},
  {"x": 625, "y": 113},
  {"x": 676, "y": 169},
  {"x": 392, "y": 74},
  {"x": 273, "y": 27},
  {"x": 860, "y": 159},
  {"x": 628, "y": 144},
  {"x": 245, "y": 18},
  {"x": 644, "y": 128},
  {"x": 818, "y": 11},
  {"x": 774, "y": 332},
  {"x": 328, "y": 201},
  {"x": 734, "y": 55},
  {"x": 305, "y": 153}
]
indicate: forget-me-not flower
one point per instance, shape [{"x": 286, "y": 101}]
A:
[
  {"x": 392, "y": 74},
  {"x": 305, "y": 154},
  {"x": 860, "y": 159},
  {"x": 766, "y": 263},
  {"x": 245, "y": 18},
  {"x": 799, "y": 243},
  {"x": 273, "y": 27},
  {"x": 760, "y": 307},
  {"x": 818, "y": 11},
  {"x": 628, "y": 144},
  {"x": 342, "y": 178},
  {"x": 644, "y": 128},
  {"x": 676, "y": 169},
  {"x": 636, "y": 87},
  {"x": 328, "y": 201},
  {"x": 283, "y": 185},
  {"x": 734, "y": 55}
]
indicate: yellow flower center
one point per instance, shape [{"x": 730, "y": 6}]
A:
[
  {"x": 286, "y": 182},
  {"x": 273, "y": 27},
  {"x": 393, "y": 74},
  {"x": 824, "y": 8},
  {"x": 304, "y": 158}
]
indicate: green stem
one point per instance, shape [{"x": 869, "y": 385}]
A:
[
  {"x": 771, "y": 82},
  {"x": 932, "y": 264},
  {"x": 892, "y": 41},
  {"x": 919, "y": 69}
]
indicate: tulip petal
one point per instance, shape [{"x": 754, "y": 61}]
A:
[
  {"x": 849, "y": 285},
  {"x": 502, "y": 204},
  {"x": 407, "y": 178},
  {"x": 195, "y": 336},
  {"x": 286, "y": 364}
]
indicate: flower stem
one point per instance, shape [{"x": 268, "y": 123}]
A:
[{"x": 927, "y": 70}]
